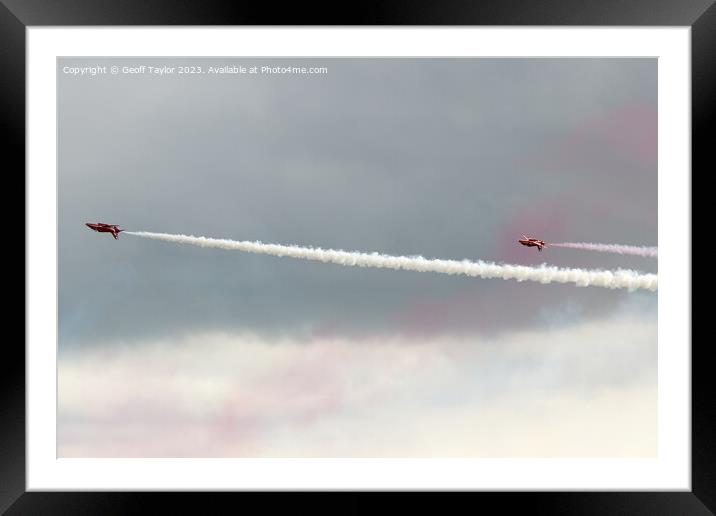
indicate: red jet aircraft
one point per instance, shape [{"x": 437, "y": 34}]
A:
[
  {"x": 105, "y": 228},
  {"x": 532, "y": 242}
]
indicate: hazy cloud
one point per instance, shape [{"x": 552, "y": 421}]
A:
[{"x": 573, "y": 391}]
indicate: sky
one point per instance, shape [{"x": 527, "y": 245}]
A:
[{"x": 251, "y": 355}]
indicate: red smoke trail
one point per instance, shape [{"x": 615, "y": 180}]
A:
[{"x": 649, "y": 252}]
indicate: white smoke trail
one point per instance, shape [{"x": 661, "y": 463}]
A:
[
  {"x": 650, "y": 252},
  {"x": 544, "y": 274}
]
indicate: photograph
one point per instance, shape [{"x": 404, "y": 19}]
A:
[{"x": 357, "y": 257}]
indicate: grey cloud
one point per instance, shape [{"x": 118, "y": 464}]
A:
[{"x": 432, "y": 157}]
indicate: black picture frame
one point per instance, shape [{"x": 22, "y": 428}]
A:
[{"x": 17, "y": 15}]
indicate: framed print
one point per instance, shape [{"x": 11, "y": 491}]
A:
[{"x": 417, "y": 254}]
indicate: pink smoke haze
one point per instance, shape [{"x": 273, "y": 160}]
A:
[{"x": 629, "y": 131}]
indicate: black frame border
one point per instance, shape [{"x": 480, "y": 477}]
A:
[{"x": 16, "y": 15}]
